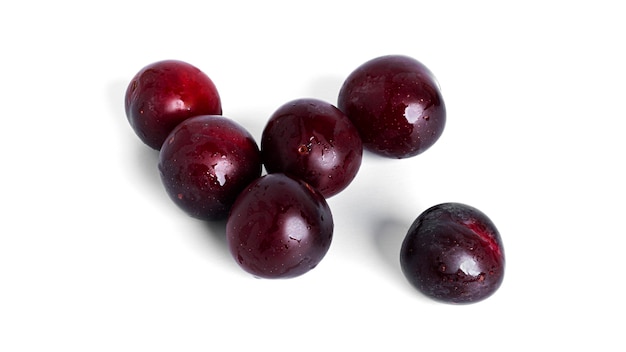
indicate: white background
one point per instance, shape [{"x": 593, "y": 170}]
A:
[{"x": 95, "y": 257}]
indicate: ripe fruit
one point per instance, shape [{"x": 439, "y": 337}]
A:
[
  {"x": 395, "y": 104},
  {"x": 314, "y": 141},
  {"x": 453, "y": 253},
  {"x": 279, "y": 227},
  {"x": 206, "y": 162},
  {"x": 165, "y": 93}
]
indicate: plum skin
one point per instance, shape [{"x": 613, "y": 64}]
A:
[
  {"x": 279, "y": 227},
  {"x": 206, "y": 162},
  {"x": 314, "y": 141},
  {"x": 453, "y": 253},
  {"x": 396, "y": 105},
  {"x": 165, "y": 93}
]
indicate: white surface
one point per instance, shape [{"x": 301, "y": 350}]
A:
[{"x": 95, "y": 257}]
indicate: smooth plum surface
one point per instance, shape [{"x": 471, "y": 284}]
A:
[
  {"x": 395, "y": 104},
  {"x": 279, "y": 227},
  {"x": 165, "y": 93},
  {"x": 453, "y": 253},
  {"x": 314, "y": 141},
  {"x": 206, "y": 162}
]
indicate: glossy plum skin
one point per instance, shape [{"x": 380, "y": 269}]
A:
[
  {"x": 279, "y": 227},
  {"x": 453, "y": 253},
  {"x": 206, "y": 162},
  {"x": 165, "y": 93},
  {"x": 314, "y": 141},
  {"x": 395, "y": 103}
]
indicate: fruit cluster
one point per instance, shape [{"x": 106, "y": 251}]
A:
[{"x": 279, "y": 224}]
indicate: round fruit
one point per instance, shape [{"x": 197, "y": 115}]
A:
[
  {"x": 165, "y": 93},
  {"x": 395, "y": 104},
  {"x": 453, "y": 253},
  {"x": 314, "y": 141},
  {"x": 279, "y": 227},
  {"x": 206, "y": 162}
]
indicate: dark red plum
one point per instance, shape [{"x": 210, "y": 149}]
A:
[
  {"x": 395, "y": 103},
  {"x": 453, "y": 253},
  {"x": 206, "y": 162},
  {"x": 314, "y": 141},
  {"x": 279, "y": 227},
  {"x": 164, "y": 94}
]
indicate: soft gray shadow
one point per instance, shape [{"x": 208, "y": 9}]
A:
[
  {"x": 142, "y": 158},
  {"x": 216, "y": 233},
  {"x": 115, "y": 92},
  {"x": 146, "y": 162},
  {"x": 387, "y": 235},
  {"x": 385, "y": 213},
  {"x": 214, "y": 236}
]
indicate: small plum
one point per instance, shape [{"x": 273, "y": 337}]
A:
[
  {"x": 395, "y": 103},
  {"x": 314, "y": 141},
  {"x": 206, "y": 162},
  {"x": 279, "y": 227},
  {"x": 453, "y": 253},
  {"x": 164, "y": 94}
]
